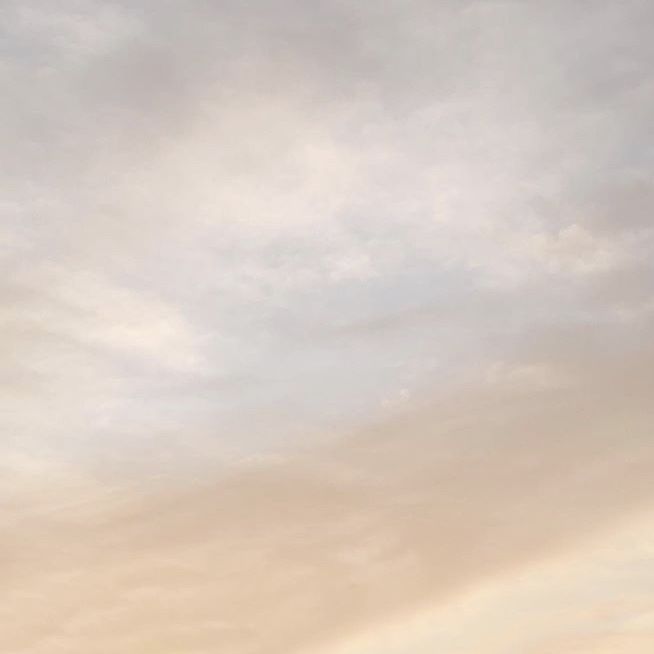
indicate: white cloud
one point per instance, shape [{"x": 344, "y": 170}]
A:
[{"x": 90, "y": 309}]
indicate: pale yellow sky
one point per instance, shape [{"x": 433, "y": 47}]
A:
[{"x": 326, "y": 327}]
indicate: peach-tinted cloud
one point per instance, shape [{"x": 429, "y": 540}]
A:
[{"x": 307, "y": 552}]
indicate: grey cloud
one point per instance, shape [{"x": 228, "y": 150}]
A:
[{"x": 239, "y": 163}]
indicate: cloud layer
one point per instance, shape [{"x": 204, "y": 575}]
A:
[
  {"x": 349, "y": 537},
  {"x": 324, "y": 323}
]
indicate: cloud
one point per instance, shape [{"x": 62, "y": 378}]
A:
[
  {"x": 382, "y": 272},
  {"x": 568, "y": 603},
  {"x": 295, "y": 555}
]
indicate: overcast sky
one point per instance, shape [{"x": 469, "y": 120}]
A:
[{"x": 326, "y": 327}]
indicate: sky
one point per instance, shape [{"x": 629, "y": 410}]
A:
[{"x": 326, "y": 327}]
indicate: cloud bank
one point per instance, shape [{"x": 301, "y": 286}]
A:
[{"x": 326, "y": 327}]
